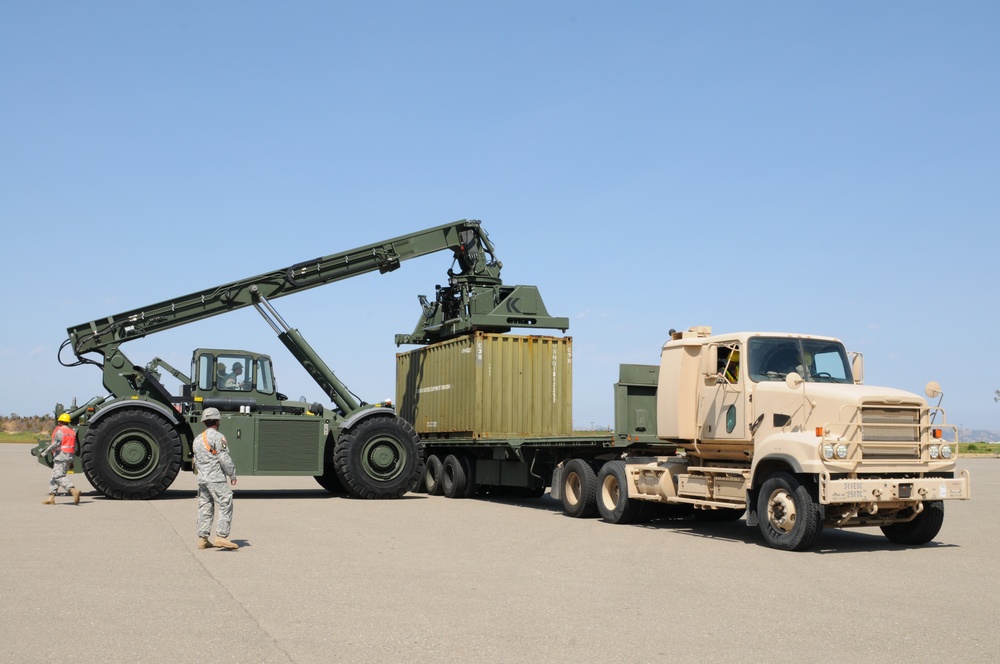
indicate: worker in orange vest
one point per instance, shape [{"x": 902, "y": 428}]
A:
[{"x": 63, "y": 439}]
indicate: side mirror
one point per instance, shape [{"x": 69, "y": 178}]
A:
[
  {"x": 858, "y": 367},
  {"x": 793, "y": 380},
  {"x": 933, "y": 389},
  {"x": 710, "y": 368}
]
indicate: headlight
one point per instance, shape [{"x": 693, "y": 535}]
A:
[
  {"x": 841, "y": 451},
  {"x": 934, "y": 451},
  {"x": 828, "y": 451},
  {"x": 946, "y": 451}
]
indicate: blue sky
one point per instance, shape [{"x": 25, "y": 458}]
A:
[{"x": 827, "y": 168}]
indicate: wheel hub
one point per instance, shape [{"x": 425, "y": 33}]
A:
[
  {"x": 781, "y": 511},
  {"x": 132, "y": 455},
  {"x": 383, "y": 459}
]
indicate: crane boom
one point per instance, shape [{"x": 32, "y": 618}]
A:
[{"x": 466, "y": 238}]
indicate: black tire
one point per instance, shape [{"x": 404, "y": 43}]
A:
[
  {"x": 433, "y": 470},
  {"x": 456, "y": 477},
  {"x": 922, "y": 529},
  {"x": 613, "y": 502},
  {"x": 790, "y": 516},
  {"x": 132, "y": 454},
  {"x": 579, "y": 489},
  {"x": 380, "y": 457}
]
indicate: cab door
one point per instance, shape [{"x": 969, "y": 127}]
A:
[{"x": 723, "y": 398}]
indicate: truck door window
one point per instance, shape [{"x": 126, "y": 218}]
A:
[{"x": 729, "y": 363}]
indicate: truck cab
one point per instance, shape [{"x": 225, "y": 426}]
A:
[{"x": 781, "y": 425}]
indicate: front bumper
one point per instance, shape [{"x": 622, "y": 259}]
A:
[{"x": 893, "y": 490}]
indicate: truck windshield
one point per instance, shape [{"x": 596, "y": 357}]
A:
[{"x": 817, "y": 361}]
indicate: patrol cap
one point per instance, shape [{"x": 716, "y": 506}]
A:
[{"x": 211, "y": 414}]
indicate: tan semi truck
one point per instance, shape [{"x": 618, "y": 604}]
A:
[{"x": 779, "y": 427}]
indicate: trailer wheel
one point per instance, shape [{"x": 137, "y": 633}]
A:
[
  {"x": 134, "y": 454},
  {"x": 381, "y": 457},
  {"x": 922, "y": 529},
  {"x": 612, "y": 495},
  {"x": 579, "y": 489},
  {"x": 433, "y": 470},
  {"x": 790, "y": 517},
  {"x": 456, "y": 477}
]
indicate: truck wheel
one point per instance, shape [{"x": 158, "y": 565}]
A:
[
  {"x": 612, "y": 495},
  {"x": 924, "y": 527},
  {"x": 433, "y": 471},
  {"x": 381, "y": 457},
  {"x": 133, "y": 453},
  {"x": 790, "y": 517},
  {"x": 579, "y": 490},
  {"x": 456, "y": 477}
]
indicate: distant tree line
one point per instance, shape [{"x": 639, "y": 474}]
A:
[{"x": 15, "y": 423}]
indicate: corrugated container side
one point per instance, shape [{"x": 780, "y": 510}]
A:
[{"x": 488, "y": 386}]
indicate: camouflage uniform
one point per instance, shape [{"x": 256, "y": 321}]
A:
[
  {"x": 60, "y": 465},
  {"x": 214, "y": 472}
]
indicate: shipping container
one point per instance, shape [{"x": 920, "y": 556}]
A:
[{"x": 488, "y": 386}]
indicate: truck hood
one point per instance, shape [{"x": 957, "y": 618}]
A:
[{"x": 859, "y": 394}]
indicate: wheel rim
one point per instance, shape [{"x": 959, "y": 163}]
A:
[
  {"x": 133, "y": 455},
  {"x": 383, "y": 458},
  {"x": 609, "y": 492},
  {"x": 573, "y": 488},
  {"x": 781, "y": 512}
]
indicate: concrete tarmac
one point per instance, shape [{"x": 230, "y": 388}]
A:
[{"x": 322, "y": 578}]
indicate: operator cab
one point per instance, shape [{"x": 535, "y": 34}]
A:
[{"x": 236, "y": 374}]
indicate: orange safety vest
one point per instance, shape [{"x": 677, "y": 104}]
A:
[
  {"x": 204, "y": 440},
  {"x": 68, "y": 438}
]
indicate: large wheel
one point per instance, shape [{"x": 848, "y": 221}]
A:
[
  {"x": 922, "y": 529},
  {"x": 457, "y": 480},
  {"x": 790, "y": 516},
  {"x": 433, "y": 471},
  {"x": 579, "y": 489},
  {"x": 133, "y": 453},
  {"x": 612, "y": 495},
  {"x": 381, "y": 457}
]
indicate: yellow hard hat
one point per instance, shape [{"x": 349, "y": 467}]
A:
[{"x": 64, "y": 417}]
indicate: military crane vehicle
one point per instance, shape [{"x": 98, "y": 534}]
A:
[{"x": 135, "y": 440}]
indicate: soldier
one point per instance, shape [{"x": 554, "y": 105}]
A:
[
  {"x": 214, "y": 465},
  {"x": 64, "y": 438}
]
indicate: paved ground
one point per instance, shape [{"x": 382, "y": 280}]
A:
[{"x": 427, "y": 579}]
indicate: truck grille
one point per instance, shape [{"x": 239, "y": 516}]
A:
[{"x": 890, "y": 424}]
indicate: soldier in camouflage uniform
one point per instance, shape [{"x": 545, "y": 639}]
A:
[
  {"x": 214, "y": 466},
  {"x": 64, "y": 440}
]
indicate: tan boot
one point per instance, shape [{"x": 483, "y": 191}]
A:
[
  {"x": 223, "y": 543},
  {"x": 76, "y": 496},
  {"x": 203, "y": 543},
  {"x": 51, "y": 500}
]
